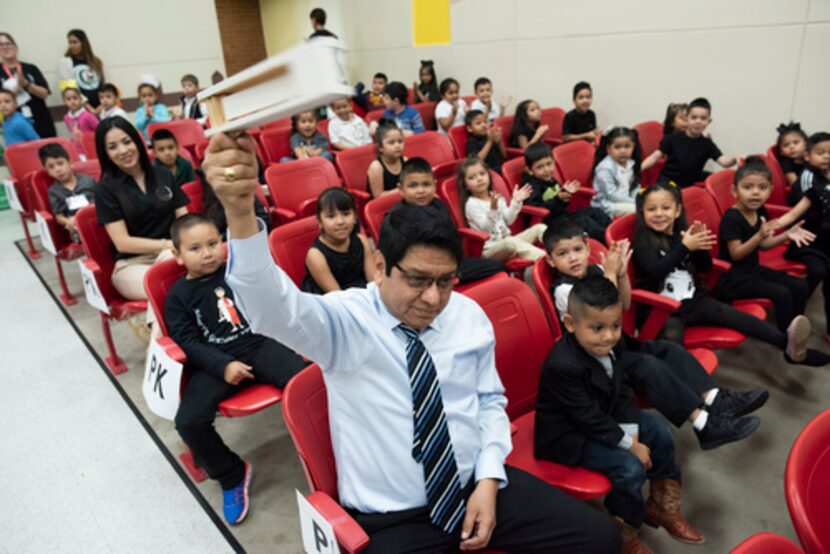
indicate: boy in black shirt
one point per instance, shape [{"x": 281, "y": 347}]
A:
[
  {"x": 166, "y": 150},
  {"x": 223, "y": 352},
  {"x": 483, "y": 141},
  {"x": 581, "y": 122},
  {"x": 687, "y": 152}
]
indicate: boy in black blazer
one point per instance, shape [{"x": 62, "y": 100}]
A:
[{"x": 585, "y": 415}]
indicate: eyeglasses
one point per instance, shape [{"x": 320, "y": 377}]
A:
[
  {"x": 423, "y": 282},
  {"x": 6, "y": 44}
]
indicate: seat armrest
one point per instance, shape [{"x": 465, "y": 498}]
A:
[
  {"x": 172, "y": 349},
  {"x": 307, "y": 208},
  {"x": 350, "y": 536},
  {"x": 661, "y": 308},
  {"x": 535, "y": 214},
  {"x": 284, "y": 215},
  {"x": 581, "y": 199},
  {"x": 473, "y": 241}
]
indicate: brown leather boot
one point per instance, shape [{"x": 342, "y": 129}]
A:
[
  {"x": 663, "y": 510},
  {"x": 630, "y": 539}
]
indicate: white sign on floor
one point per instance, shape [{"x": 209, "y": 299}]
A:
[
  {"x": 45, "y": 235},
  {"x": 162, "y": 382},
  {"x": 11, "y": 195},
  {"x": 318, "y": 535},
  {"x": 91, "y": 290}
]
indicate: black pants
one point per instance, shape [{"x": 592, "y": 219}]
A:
[
  {"x": 818, "y": 271},
  {"x": 788, "y": 294},
  {"x": 475, "y": 269},
  {"x": 592, "y": 220},
  {"x": 670, "y": 379},
  {"x": 273, "y": 364},
  {"x": 709, "y": 311},
  {"x": 531, "y": 516}
]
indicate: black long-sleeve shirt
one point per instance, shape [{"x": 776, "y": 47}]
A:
[
  {"x": 545, "y": 195},
  {"x": 654, "y": 264}
]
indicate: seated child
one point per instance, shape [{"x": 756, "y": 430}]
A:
[
  {"x": 383, "y": 172},
  {"x": 150, "y": 110},
  {"x": 16, "y": 128},
  {"x": 677, "y": 118},
  {"x": 306, "y": 140},
  {"x": 190, "y": 105},
  {"x": 687, "y": 152},
  {"x": 483, "y": 141},
  {"x": 166, "y": 151},
  {"x": 346, "y": 130},
  {"x": 407, "y": 118},
  {"x": 617, "y": 172},
  {"x": 223, "y": 353},
  {"x": 585, "y": 415},
  {"x": 451, "y": 109},
  {"x": 790, "y": 149},
  {"x": 485, "y": 210},
  {"x": 527, "y": 125},
  {"x": 108, "y": 96},
  {"x": 549, "y": 194},
  {"x": 69, "y": 192},
  {"x": 427, "y": 89},
  {"x": 77, "y": 119},
  {"x": 666, "y": 375},
  {"x": 372, "y": 99},
  {"x": 581, "y": 122},
  {"x": 483, "y": 89},
  {"x": 816, "y": 170},
  {"x": 340, "y": 258}
]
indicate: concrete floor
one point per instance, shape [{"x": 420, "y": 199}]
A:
[{"x": 731, "y": 492}]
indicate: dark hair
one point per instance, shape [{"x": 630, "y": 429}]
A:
[
  {"x": 671, "y": 112},
  {"x": 8, "y": 36},
  {"x": 86, "y": 52},
  {"x": 109, "y": 87},
  {"x": 785, "y": 129},
  {"x": 318, "y": 15},
  {"x": 190, "y": 78},
  {"x": 188, "y": 221},
  {"x": 461, "y": 184},
  {"x": 385, "y": 126},
  {"x": 429, "y": 89},
  {"x": 561, "y": 229},
  {"x": 581, "y": 85},
  {"x": 414, "y": 165},
  {"x": 296, "y": 118},
  {"x": 162, "y": 134},
  {"x": 155, "y": 89},
  {"x": 753, "y": 165},
  {"x": 397, "y": 91},
  {"x": 816, "y": 138},
  {"x": 9, "y": 93},
  {"x": 52, "y": 150},
  {"x": 380, "y": 75},
  {"x": 445, "y": 85},
  {"x": 481, "y": 81},
  {"x": 608, "y": 139},
  {"x": 108, "y": 167},
  {"x": 659, "y": 241},
  {"x": 700, "y": 102},
  {"x": 594, "y": 291},
  {"x": 406, "y": 226},
  {"x": 535, "y": 152},
  {"x": 336, "y": 198},
  {"x": 521, "y": 125},
  {"x": 469, "y": 116}
]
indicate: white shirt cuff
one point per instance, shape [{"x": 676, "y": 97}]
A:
[{"x": 490, "y": 465}]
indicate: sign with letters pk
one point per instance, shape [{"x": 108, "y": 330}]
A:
[
  {"x": 91, "y": 290},
  {"x": 318, "y": 535},
  {"x": 162, "y": 381},
  {"x": 11, "y": 194},
  {"x": 45, "y": 235}
]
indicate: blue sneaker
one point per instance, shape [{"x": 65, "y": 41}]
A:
[{"x": 235, "y": 502}]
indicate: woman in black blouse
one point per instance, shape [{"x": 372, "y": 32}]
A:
[{"x": 27, "y": 82}]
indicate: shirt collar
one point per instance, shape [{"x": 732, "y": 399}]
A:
[{"x": 78, "y": 112}]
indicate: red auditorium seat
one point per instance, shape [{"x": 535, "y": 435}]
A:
[
  {"x": 294, "y": 187},
  {"x": 435, "y": 149},
  {"x": 513, "y": 169},
  {"x": 375, "y": 211},
  {"x": 505, "y": 122},
  {"x": 275, "y": 143},
  {"x": 290, "y": 243},
  {"x": 353, "y": 165},
  {"x": 88, "y": 140},
  {"x": 780, "y": 185},
  {"x": 427, "y": 111},
  {"x": 767, "y": 543},
  {"x": 552, "y": 117},
  {"x": 650, "y": 134},
  {"x": 458, "y": 138},
  {"x": 575, "y": 161}
]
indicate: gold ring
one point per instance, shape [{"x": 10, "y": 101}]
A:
[{"x": 230, "y": 174}]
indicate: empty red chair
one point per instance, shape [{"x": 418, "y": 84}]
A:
[
  {"x": 88, "y": 140},
  {"x": 458, "y": 138},
  {"x": 523, "y": 341},
  {"x": 196, "y": 194},
  {"x": 427, "y": 111},
  {"x": 66, "y": 249},
  {"x": 188, "y": 132},
  {"x": 353, "y": 165},
  {"x": 294, "y": 187},
  {"x": 290, "y": 243},
  {"x": 157, "y": 283},
  {"x": 100, "y": 262},
  {"x": 767, "y": 543},
  {"x": 276, "y": 143},
  {"x": 323, "y": 127},
  {"x": 807, "y": 482},
  {"x": 650, "y": 134},
  {"x": 552, "y": 117},
  {"x": 780, "y": 185},
  {"x": 278, "y": 124},
  {"x": 375, "y": 211},
  {"x": 434, "y": 148},
  {"x": 575, "y": 161}
]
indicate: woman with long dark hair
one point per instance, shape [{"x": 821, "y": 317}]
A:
[
  {"x": 83, "y": 66},
  {"x": 27, "y": 82}
]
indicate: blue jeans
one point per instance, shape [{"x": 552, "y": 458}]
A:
[{"x": 625, "y": 471}]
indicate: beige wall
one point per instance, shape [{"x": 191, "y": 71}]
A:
[
  {"x": 760, "y": 62},
  {"x": 286, "y": 22}
]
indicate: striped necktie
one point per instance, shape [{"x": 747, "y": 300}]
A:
[{"x": 432, "y": 446}]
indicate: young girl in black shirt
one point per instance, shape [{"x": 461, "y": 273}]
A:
[
  {"x": 527, "y": 127},
  {"x": 790, "y": 149},
  {"x": 382, "y": 175},
  {"x": 427, "y": 89}
]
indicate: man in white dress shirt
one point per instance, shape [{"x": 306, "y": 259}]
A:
[{"x": 364, "y": 340}]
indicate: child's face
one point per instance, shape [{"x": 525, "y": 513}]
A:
[
  {"x": 698, "y": 121},
  {"x": 72, "y": 100},
  {"x": 583, "y": 99},
  {"x": 597, "y": 331},
  {"x": 478, "y": 126},
  {"x": 793, "y": 146},
  {"x": 121, "y": 149},
  {"x": 107, "y": 100},
  {"x": 189, "y": 88},
  {"x": 418, "y": 189},
  {"x": 307, "y": 124},
  {"x": 425, "y": 75},
  {"x": 59, "y": 169},
  {"x": 165, "y": 151},
  {"x": 621, "y": 149},
  {"x": 147, "y": 95},
  {"x": 392, "y": 104},
  {"x": 484, "y": 92},
  {"x": 570, "y": 257},
  {"x": 342, "y": 109},
  {"x": 477, "y": 180},
  {"x": 681, "y": 120},
  {"x": 752, "y": 191},
  {"x": 660, "y": 211},
  {"x": 200, "y": 250},
  {"x": 451, "y": 94},
  {"x": 819, "y": 156},
  {"x": 534, "y": 112},
  {"x": 543, "y": 169},
  {"x": 392, "y": 145},
  {"x": 8, "y": 105},
  {"x": 337, "y": 225},
  {"x": 378, "y": 85}
]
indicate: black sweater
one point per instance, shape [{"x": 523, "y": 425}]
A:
[
  {"x": 551, "y": 201},
  {"x": 654, "y": 264}
]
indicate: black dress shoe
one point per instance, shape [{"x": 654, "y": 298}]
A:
[
  {"x": 736, "y": 404},
  {"x": 720, "y": 430}
]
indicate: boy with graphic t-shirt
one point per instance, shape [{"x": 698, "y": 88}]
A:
[
  {"x": 223, "y": 352},
  {"x": 687, "y": 152}
]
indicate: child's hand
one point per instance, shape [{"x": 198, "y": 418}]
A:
[
  {"x": 494, "y": 200},
  {"x": 148, "y": 110},
  {"x": 571, "y": 186},
  {"x": 642, "y": 452},
  {"x": 373, "y": 127},
  {"x": 70, "y": 224},
  {"x": 497, "y": 133},
  {"x": 699, "y": 239},
  {"x": 522, "y": 194},
  {"x": 540, "y": 131},
  {"x": 564, "y": 195},
  {"x": 768, "y": 228},
  {"x": 236, "y": 371},
  {"x": 504, "y": 102},
  {"x": 800, "y": 236},
  {"x": 611, "y": 261},
  {"x": 624, "y": 252}
]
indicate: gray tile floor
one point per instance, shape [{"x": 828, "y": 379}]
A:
[{"x": 731, "y": 492}]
